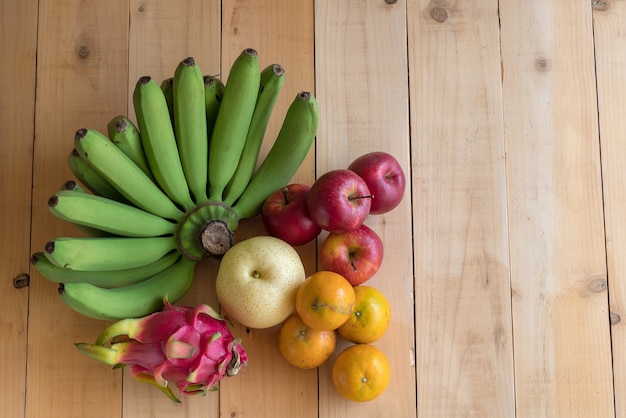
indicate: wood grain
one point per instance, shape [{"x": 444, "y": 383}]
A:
[
  {"x": 462, "y": 309},
  {"x": 17, "y": 104},
  {"x": 503, "y": 263},
  {"x": 79, "y": 80},
  {"x": 282, "y": 32},
  {"x": 163, "y": 33},
  {"x": 558, "y": 265},
  {"x": 361, "y": 83},
  {"x": 610, "y": 59}
]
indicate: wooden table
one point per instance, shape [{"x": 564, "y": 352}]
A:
[{"x": 504, "y": 264}]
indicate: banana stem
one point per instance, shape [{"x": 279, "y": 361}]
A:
[
  {"x": 207, "y": 230},
  {"x": 216, "y": 238}
]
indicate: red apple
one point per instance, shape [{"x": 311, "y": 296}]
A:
[
  {"x": 285, "y": 215},
  {"x": 339, "y": 201},
  {"x": 356, "y": 255},
  {"x": 384, "y": 178}
]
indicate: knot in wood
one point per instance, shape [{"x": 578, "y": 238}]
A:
[
  {"x": 614, "y": 318},
  {"x": 21, "y": 281},
  {"x": 439, "y": 14},
  {"x": 541, "y": 64},
  {"x": 83, "y": 51},
  {"x": 598, "y": 285},
  {"x": 600, "y": 5}
]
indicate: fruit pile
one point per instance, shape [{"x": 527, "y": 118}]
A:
[
  {"x": 334, "y": 301},
  {"x": 156, "y": 197}
]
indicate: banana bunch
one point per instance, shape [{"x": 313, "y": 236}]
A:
[{"x": 163, "y": 193}]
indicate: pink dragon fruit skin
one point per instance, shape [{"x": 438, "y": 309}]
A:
[{"x": 192, "y": 348}]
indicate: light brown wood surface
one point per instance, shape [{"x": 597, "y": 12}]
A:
[
  {"x": 610, "y": 57},
  {"x": 462, "y": 299},
  {"x": 504, "y": 264}
]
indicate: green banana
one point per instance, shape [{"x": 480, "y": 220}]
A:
[
  {"x": 109, "y": 253},
  {"x": 71, "y": 185},
  {"x": 125, "y": 135},
  {"x": 292, "y": 144},
  {"x": 272, "y": 80},
  {"x": 167, "y": 86},
  {"x": 107, "y": 215},
  {"x": 106, "y": 278},
  {"x": 190, "y": 125},
  {"x": 213, "y": 93},
  {"x": 91, "y": 179},
  {"x": 159, "y": 141},
  {"x": 132, "y": 301},
  {"x": 120, "y": 171},
  {"x": 233, "y": 120}
]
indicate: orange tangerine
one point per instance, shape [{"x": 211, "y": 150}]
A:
[
  {"x": 303, "y": 346},
  {"x": 361, "y": 373},
  {"x": 370, "y": 318},
  {"x": 325, "y": 300}
]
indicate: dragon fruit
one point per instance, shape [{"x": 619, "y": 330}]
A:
[{"x": 190, "y": 347}]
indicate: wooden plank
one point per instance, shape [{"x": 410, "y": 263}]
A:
[
  {"x": 282, "y": 32},
  {"x": 162, "y": 33},
  {"x": 558, "y": 271},
  {"x": 464, "y": 353},
  {"x": 563, "y": 351},
  {"x": 17, "y": 105},
  {"x": 610, "y": 59},
  {"x": 79, "y": 81},
  {"x": 280, "y": 38},
  {"x": 361, "y": 83}
]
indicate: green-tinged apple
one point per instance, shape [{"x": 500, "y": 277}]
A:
[
  {"x": 356, "y": 255},
  {"x": 384, "y": 178},
  {"x": 257, "y": 281},
  {"x": 339, "y": 201}
]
